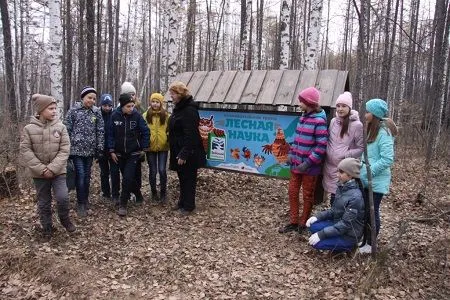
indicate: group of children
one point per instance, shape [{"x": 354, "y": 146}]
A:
[
  {"x": 117, "y": 137},
  {"x": 337, "y": 150},
  {"x": 120, "y": 137}
]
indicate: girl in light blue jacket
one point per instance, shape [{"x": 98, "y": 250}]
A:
[{"x": 380, "y": 150}]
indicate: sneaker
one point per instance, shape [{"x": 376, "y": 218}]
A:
[
  {"x": 288, "y": 228},
  {"x": 366, "y": 249},
  {"x": 82, "y": 211},
  {"x": 68, "y": 225},
  {"x": 122, "y": 211}
]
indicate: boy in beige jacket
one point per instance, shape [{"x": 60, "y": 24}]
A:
[{"x": 44, "y": 149}]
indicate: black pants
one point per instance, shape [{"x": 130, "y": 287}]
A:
[
  {"x": 127, "y": 165},
  {"x": 188, "y": 184},
  {"x": 109, "y": 168}
]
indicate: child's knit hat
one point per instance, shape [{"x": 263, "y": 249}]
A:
[
  {"x": 309, "y": 96},
  {"x": 41, "y": 102},
  {"x": 351, "y": 166},
  {"x": 106, "y": 99},
  {"x": 87, "y": 90},
  {"x": 157, "y": 96},
  {"x": 124, "y": 99},
  {"x": 345, "y": 98},
  {"x": 377, "y": 107},
  {"x": 127, "y": 88}
]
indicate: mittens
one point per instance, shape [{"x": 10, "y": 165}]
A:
[
  {"x": 311, "y": 221},
  {"x": 314, "y": 239}
]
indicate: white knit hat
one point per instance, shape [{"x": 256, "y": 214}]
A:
[{"x": 127, "y": 88}]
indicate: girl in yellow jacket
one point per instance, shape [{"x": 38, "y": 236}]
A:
[{"x": 157, "y": 119}]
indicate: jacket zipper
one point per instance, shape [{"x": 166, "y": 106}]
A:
[{"x": 125, "y": 135}]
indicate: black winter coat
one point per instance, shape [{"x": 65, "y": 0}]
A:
[
  {"x": 184, "y": 138},
  {"x": 128, "y": 134}
]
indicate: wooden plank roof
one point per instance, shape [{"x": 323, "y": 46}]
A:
[{"x": 262, "y": 87}]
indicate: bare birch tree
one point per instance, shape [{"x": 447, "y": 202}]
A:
[
  {"x": 313, "y": 35},
  {"x": 55, "y": 57},
  {"x": 284, "y": 35}
]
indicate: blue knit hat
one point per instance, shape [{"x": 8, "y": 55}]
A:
[
  {"x": 377, "y": 107},
  {"x": 106, "y": 99}
]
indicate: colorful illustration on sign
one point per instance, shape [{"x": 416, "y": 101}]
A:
[
  {"x": 206, "y": 127},
  {"x": 279, "y": 148},
  {"x": 248, "y": 142}
]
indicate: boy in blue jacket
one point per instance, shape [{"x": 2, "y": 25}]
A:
[{"x": 127, "y": 138}]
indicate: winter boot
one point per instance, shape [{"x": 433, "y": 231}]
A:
[
  {"x": 47, "y": 233},
  {"x": 68, "y": 225},
  {"x": 82, "y": 211},
  {"x": 163, "y": 198},
  {"x": 288, "y": 228},
  {"x": 122, "y": 211}
]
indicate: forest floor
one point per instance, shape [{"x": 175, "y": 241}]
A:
[{"x": 229, "y": 248}]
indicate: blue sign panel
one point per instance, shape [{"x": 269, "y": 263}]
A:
[{"x": 248, "y": 142}]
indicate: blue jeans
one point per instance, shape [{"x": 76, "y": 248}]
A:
[
  {"x": 157, "y": 163},
  {"x": 377, "y": 197},
  {"x": 82, "y": 166},
  {"x": 335, "y": 243},
  {"x": 108, "y": 168}
]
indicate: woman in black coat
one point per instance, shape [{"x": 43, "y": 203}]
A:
[{"x": 187, "y": 154}]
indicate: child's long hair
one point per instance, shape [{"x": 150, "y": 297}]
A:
[
  {"x": 345, "y": 124},
  {"x": 374, "y": 127},
  {"x": 161, "y": 113}
]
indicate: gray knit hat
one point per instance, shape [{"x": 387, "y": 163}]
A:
[{"x": 351, "y": 166}]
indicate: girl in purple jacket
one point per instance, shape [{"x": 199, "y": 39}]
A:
[{"x": 345, "y": 139}]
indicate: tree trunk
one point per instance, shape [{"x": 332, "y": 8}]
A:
[
  {"x": 284, "y": 35},
  {"x": 313, "y": 36},
  {"x": 172, "y": 65},
  {"x": 110, "y": 65},
  {"x": 56, "y": 54},
  {"x": 99, "y": 83},
  {"x": 82, "y": 71},
  {"x": 68, "y": 57},
  {"x": 9, "y": 65}
]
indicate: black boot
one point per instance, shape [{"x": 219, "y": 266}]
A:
[
  {"x": 163, "y": 198},
  {"x": 47, "y": 233},
  {"x": 68, "y": 225}
]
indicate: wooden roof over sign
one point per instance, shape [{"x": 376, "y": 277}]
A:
[{"x": 262, "y": 87}]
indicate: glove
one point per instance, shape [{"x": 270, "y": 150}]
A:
[
  {"x": 311, "y": 221},
  {"x": 314, "y": 239},
  {"x": 302, "y": 167}
]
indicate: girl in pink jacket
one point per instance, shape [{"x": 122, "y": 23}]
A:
[{"x": 345, "y": 140}]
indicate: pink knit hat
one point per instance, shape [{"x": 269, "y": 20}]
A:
[
  {"x": 310, "y": 96},
  {"x": 345, "y": 98}
]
